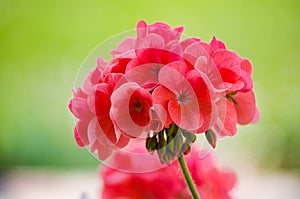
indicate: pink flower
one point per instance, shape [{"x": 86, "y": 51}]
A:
[
  {"x": 186, "y": 97},
  {"x": 92, "y": 106},
  {"x": 230, "y": 77},
  {"x": 167, "y": 182},
  {"x": 130, "y": 109},
  {"x": 155, "y": 80},
  {"x": 236, "y": 74}
]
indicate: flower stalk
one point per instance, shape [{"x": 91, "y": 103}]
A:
[{"x": 188, "y": 178}]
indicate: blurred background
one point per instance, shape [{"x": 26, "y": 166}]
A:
[{"x": 43, "y": 43}]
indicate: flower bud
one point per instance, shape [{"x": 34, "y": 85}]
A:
[{"x": 211, "y": 138}]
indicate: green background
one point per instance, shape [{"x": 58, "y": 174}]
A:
[{"x": 43, "y": 43}]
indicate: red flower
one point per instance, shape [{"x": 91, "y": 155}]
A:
[
  {"x": 230, "y": 78},
  {"x": 154, "y": 80},
  {"x": 167, "y": 182}
]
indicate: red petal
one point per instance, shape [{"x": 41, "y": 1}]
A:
[
  {"x": 139, "y": 106},
  {"x": 245, "y": 107},
  {"x": 204, "y": 98},
  {"x": 228, "y": 64},
  {"x": 216, "y": 44},
  {"x": 189, "y": 117},
  {"x": 81, "y": 129},
  {"x": 77, "y": 138},
  {"x": 161, "y": 96}
]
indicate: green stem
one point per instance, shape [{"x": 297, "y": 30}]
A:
[{"x": 188, "y": 177}]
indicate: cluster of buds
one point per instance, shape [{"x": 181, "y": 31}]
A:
[{"x": 170, "y": 143}]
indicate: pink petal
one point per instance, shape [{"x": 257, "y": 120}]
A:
[
  {"x": 179, "y": 66},
  {"x": 133, "y": 63},
  {"x": 159, "y": 118},
  {"x": 184, "y": 110},
  {"x": 120, "y": 112},
  {"x": 119, "y": 65},
  {"x": 81, "y": 130},
  {"x": 150, "y": 41},
  {"x": 92, "y": 79},
  {"x": 246, "y": 79},
  {"x": 114, "y": 80},
  {"x": 204, "y": 98},
  {"x": 185, "y": 43},
  {"x": 216, "y": 44},
  {"x": 123, "y": 141},
  {"x": 101, "y": 64},
  {"x": 174, "y": 48},
  {"x": 237, "y": 86},
  {"x": 77, "y": 138},
  {"x": 103, "y": 152},
  {"x": 146, "y": 75},
  {"x": 96, "y": 132},
  {"x": 246, "y": 108},
  {"x": 230, "y": 120},
  {"x": 79, "y": 93},
  {"x": 206, "y": 65},
  {"x": 99, "y": 99},
  {"x": 195, "y": 50},
  {"x": 228, "y": 64},
  {"x": 141, "y": 29},
  {"x": 167, "y": 33},
  {"x": 79, "y": 107},
  {"x": 123, "y": 47},
  {"x": 247, "y": 66},
  {"x": 226, "y": 124},
  {"x": 161, "y": 96},
  {"x": 139, "y": 106},
  {"x": 179, "y": 29}
]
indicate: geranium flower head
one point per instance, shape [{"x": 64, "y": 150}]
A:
[{"x": 163, "y": 90}]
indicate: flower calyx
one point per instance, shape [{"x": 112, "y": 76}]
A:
[{"x": 170, "y": 143}]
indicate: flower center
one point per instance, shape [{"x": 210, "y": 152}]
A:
[
  {"x": 181, "y": 98},
  {"x": 138, "y": 106}
]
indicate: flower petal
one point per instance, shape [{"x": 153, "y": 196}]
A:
[
  {"x": 92, "y": 79},
  {"x": 184, "y": 110},
  {"x": 79, "y": 107},
  {"x": 216, "y": 44},
  {"x": 120, "y": 110},
  {"x": 124, "y": 48},
  {"x": 247, "y": 66},
  {"x": 99, "y": 101},
  {"x": 159, "y": 117},
  {"x": 228, "y": 64},
  {"x": 77, "y": 138},
  {"x": 202, "y": 91},
  {"x": 246, "y": 108},
  {"x": 146, "y": 75},
  {"x": 180, "y": 66},
  {"x": 81, "y": 130},
  {"x": 161, "y": 96}
]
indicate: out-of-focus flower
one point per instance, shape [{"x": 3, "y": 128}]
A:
[{"x": 168, "y": 182}]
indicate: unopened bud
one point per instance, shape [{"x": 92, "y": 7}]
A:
[
  {"x": 151, "y": 144},
  {"x": 211, "y": 138},
  {"x": 187, "y": 151},
  {"x": 189, "y": 136}
]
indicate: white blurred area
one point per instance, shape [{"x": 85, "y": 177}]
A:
[
  {"x": 48, "y": 184},
  {"x": 45, "y": 184}
]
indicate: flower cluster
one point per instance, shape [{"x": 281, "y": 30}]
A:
[
  {"x": 156, "y": 81},
  {"x": 211, "y": 182}
]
